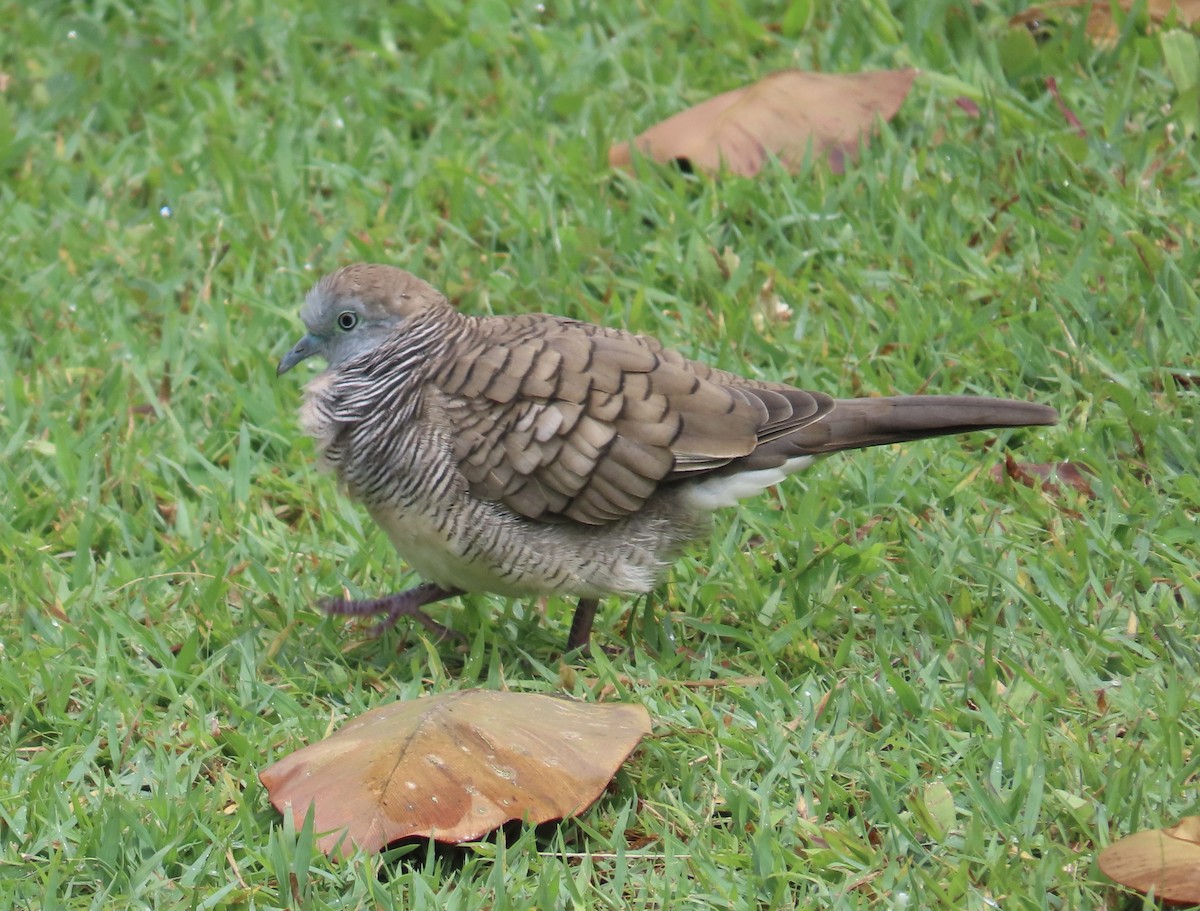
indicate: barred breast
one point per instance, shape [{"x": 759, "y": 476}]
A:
[{"x": 410, "y": 483}]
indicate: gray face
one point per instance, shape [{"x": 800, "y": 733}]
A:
[{"x": 340, "y": 328}]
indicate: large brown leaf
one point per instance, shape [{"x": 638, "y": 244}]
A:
[
  {"x": 1166, "y": 861},
  {"x": 784, "y": 115},
  {"x": 455, "y": 766}
]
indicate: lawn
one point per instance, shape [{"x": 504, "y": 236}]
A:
[{"x": 903, "y": 679}]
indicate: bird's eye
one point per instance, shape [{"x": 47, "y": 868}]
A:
[{"x": 347, "y": 320}]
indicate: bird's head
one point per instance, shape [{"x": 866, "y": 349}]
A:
[{"x": 353, "y": 310}]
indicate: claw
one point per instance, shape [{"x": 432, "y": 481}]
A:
[{"x": 393, "y": 607}]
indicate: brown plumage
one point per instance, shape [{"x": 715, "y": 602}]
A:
[{"x": 535, "y": 454}]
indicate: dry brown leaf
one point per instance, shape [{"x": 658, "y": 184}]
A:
[
  {"x": 1051, "y": 476},
  {"x": 1189, "y": 10},
  {"x": 1100, "y": 24},
  {"x": 455, "y": 766},
  {"x": 969, "y": 106},
  {"x": 1166, "y": 861},
  {"x": 782, "y": 115}
]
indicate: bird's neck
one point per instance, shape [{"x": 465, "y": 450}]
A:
[{"x": 412, "y": 351}]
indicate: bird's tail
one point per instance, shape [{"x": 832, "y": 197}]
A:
[{"x": 857, "y": 423}]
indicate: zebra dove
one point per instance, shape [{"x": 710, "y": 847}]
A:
[{"x": 534, "y": 454}]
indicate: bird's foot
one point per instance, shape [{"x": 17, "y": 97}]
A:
[{"x": 393, "y": 607}]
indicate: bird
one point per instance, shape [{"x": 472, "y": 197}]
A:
[{"x": 532, "y": 454}]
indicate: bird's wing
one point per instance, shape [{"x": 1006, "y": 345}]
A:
[{"x": 566, "y": 420}]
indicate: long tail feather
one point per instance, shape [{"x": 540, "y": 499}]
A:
[{"x": 857, "y": 423}]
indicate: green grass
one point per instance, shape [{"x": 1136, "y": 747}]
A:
[{"x": 176, "y": 175}]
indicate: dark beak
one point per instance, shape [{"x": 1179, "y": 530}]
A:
[{"x": 305, "y": 348}]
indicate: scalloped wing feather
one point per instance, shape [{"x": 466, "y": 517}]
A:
[{"x": 565, "y": 420}]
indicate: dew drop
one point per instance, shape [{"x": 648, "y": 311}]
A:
[
  {"x": 71, "y": 35},
  {"x": 165, "y": 211}
]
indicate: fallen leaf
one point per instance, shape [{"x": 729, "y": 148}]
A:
[
  {"x": 1050, "y": 475},
  {"x": 969, "y": 106},
  {"x": 864, "y": 530},
  {"x": 783, "y": 115},
  {"x": 1165, "y": 861},
  {"x": 1189, "y": 10},
  {"x": 455, "y": 766},
  {"x": 805, "y": 811},
  {"x": 1100, "y": 23}
]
